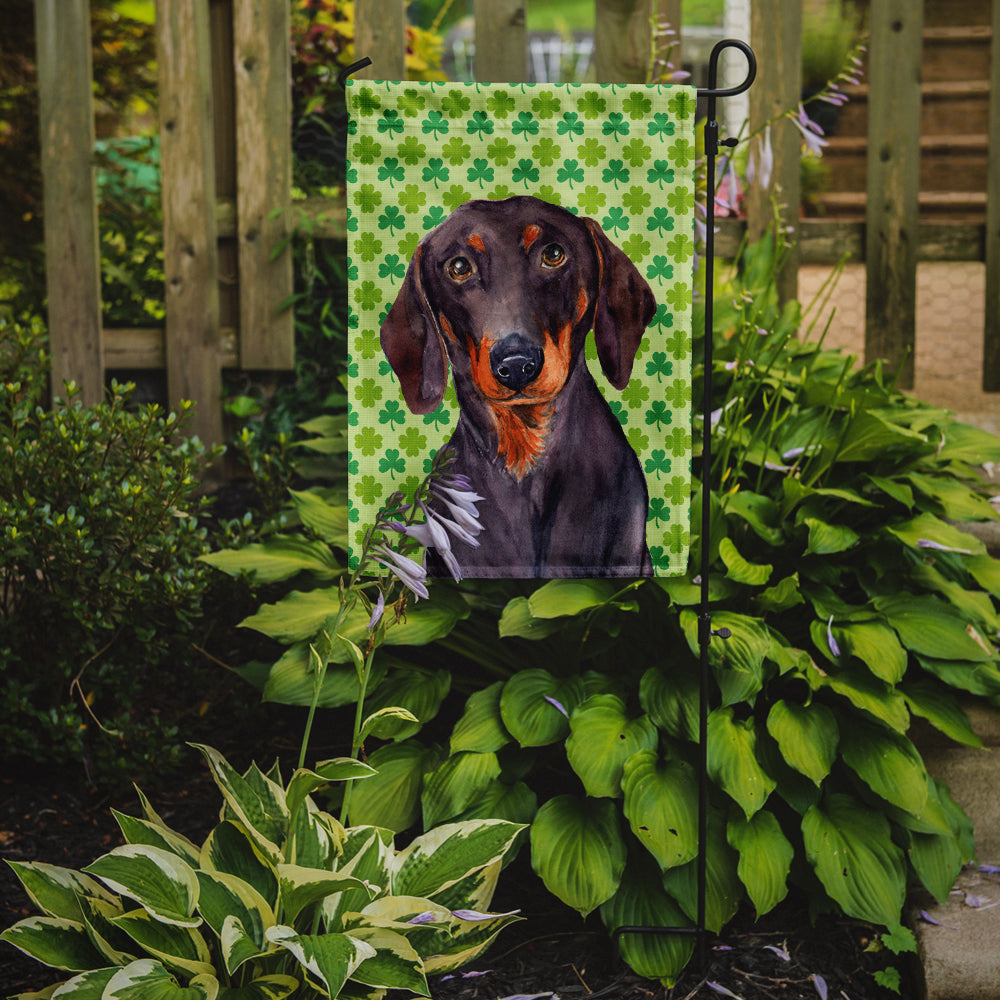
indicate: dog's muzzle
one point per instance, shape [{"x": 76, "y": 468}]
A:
[{"x": 515, "y": 362}]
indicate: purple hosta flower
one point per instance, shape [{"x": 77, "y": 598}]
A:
[
  {"x": 820, "y": 984},
  {"x": 760, "y": 165},
  {"x": 558, "y": 705},
  {"x": 427, "y": 917},
  {"x": 377, "y": 611},
  {"x": 831, "y": 642},
  {"x": 812, "y": 134},
  {"x": 780, "y": 952},
  {"x": 989, "y": 869},
  {"x": 728, "y": 194},
  {"x": 927, "y": 543},
  {"x": 719, "y": 988},
  {"x": 475, "y": 915},
  {"x": 411, "y": 573}
]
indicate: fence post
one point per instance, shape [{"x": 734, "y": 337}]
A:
[
  {"x": 380, "y": 34},
  {"x": 892, "y": 215},
  {"x": 622, "y": 40},
  {"x": 262, "y": 61},
  {"x": 991, "y": 333},
  {"x": 190, "y": 250},
  {"x": 72, "y": 254},
  {"x": 776, "y": 34},
  {"x": 501, "y": 41}
]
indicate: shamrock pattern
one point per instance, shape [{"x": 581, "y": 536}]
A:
[{"x": 620, "y": 154}]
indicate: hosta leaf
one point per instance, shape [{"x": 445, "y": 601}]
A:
[
  {"x": 225, "y": 897},
  {"x": 866, "y": 692},
  {"x": 417, "y": 690},
  {"x": 280, "y": 557},
  {"x": 441, "y": 857},
  {"x": 327, "y": 520},
  {"x": 516, "y": 803},
  {"x": 765, "y": 858},
  {"x": 391, "y": 798},
  {"x": 275, "y": 987},
  {"x": 180, "y": 948},
  {"x": 661, "y": 799},
  {"x": 876, "y": 646},
  {"x": 888, "y": 763},
  {"x": 386, "y": 723},
  {"x": 807, "y": 736},
  {"x": 301, "y": 887},
  {"x": 330, "y": 959},
  {"x": 976, "y": 678},
  {"x": 54, "y": 941},
  {"x": 159, "y": 881},
  {"x": 481, "y": 728},
  {"x": 530, "y": 706},
  {"x": 230, "y": 849},
  {"x": 732, "y": 760},
  {"x": 869, "y": 436},
  {"x": 783, "y": 595},
  {"x": 366, "y": 855},
  {"x": 723, "y": 889},
  {"x": 671, "y": 700},
  {"x": 517, "y": 620},
  {"x": 465, "y": 941},
  {"x": 395, "y": 964},
  {"x": 957, "y": 501},
  {"x": 937, "y": 860},
  {"x": 578, "y": 851},
  {"x": 758, "y": 511},
  {"x": 738, "y": 661},
  {"x": 141, "y": 831},
  {"x": 932, "y": 628},
  {"x": 739, "y": 569},
  {"x": 976, "y": 605},
  {"x": 986, "y": 571},
  {"x": 850, "y": 848},
  {"x": 56, "y": 891},
  {"x": 304, "y": 782},
  {"x": 560, "y": 598},
  {"x": 456, "y": 784},
  {"x": 147, "y": 979},
  {"x": 965, "y": 443},
  {"x": 641, "y": 901},
  {"x": 87, "y": 986},
  {"x": 291, "y": 680},
  {"x": 828, "y": 539},
  {"x": 928, "y": 528},
  {"x": 601, "y": 739},
  {"x": 941, "y": 709}
]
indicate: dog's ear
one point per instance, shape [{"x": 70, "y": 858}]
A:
[
  {"x": 625, "y": 305},
  {"x": 412, "y": 343}
]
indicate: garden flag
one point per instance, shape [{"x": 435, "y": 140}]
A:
[{"x": 520, "y": 280}]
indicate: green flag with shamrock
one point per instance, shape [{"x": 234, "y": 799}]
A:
[{"x": 521, "y": 265}]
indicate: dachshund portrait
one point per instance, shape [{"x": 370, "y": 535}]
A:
[{"x": 506, "y": 292}]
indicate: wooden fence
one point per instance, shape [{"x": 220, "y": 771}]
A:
[{"x": 226, "y": 161}]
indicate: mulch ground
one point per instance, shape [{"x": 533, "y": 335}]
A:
[{"x": 550, "y": 953}]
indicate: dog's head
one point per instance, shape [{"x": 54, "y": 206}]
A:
[{"x": 508, "y": 290}]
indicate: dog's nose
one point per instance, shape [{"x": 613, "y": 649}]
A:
[{"x": 515, "y": 361}]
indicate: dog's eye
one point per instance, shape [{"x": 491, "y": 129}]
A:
[
  {"x": 553, "y": 255},
  {"x": 460, "y": 269}
]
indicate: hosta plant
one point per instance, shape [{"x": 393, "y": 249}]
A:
[{"x": 279, "y": 900}]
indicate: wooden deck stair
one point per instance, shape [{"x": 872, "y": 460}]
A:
[{"x": 955, "y": 92}]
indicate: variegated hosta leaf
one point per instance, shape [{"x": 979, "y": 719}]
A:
[
  {"x": 256, "y": 801},
  {"x": 56, "y": 891},
  {"x": 367, "y": 853},
  {"x": 141, "y": 831},
  {"x": 99, "y": 915},
  {"x": 230, "y": 849},
  {"x": 147, "y": 979},
  {"x": 86, "y": 986},
  {"x": 441, "y": 857},
  {"x": 481, "y": 727},
  {"x": 54, "y": 941},
  {"x": 602, "y": 737},
  {"x": 158, "y": 880},
  {"x": 395, "y": 964},
  {"x": 275, "y": 987},
  {"x": 642, "y": 902},
  {"x": 765, "y": 858},
  {"x": 807, "y": 736},
  {"x": 661, "y": 799},
  {"x": 315, "y": 838},
  {"x": 300, "y": 887},
  {"x": 224, "y": 898},
  {"x": 850, "y": 847},
  {"x": 177, "y": 947},
  {"x": 466, "y": 941},
  {"x": 732, "y": 760},
  {"x": 578, "y": 851},
  {"x": 456, "y": 784},
  {"x": 329, "y": 959}
]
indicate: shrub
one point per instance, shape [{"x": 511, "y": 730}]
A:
[
  {"x": 99, "y": 539},
  {"x": 854, "y": 605}
]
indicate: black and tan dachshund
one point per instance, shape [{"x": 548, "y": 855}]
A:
[{"x": 507, "y": 291}]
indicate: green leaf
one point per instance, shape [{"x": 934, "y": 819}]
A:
[
  {"x": 438, "y": 859},
  {"x": 870, "y": 436},
  {"x": 163, "y": 884},
  {"x": 56, "y": 891},
  {"x": 387, "y": 722},
  {"x": 876, "y": 646},
  {"x": 304, "y": 782},
  {"x": 578, "y": 851},
  {"x": 516, "y": 803},
  {"x": 330, "y": 959},
  {"x": 661, "y": 798},
  {"x": 292, "y": 680},
  {"x": 986, "y": 571},
  {"x": 528, "y": 710},
  {"x": 956, "y": 500},
  {"x": 417, "y": 690},
  {"x": 279, "y": 558},
  {"x": 965, "y": 443},
  {"x": 741, "y": 571},
  {"x": 671, "y": 700},
  {"x": 807, "y": 736},
  {"x": 230, "y": 849},
  {"x": 54, "y": 941},
  {"x": 931, "y": 628},
  {"x": 391, "y": 798},
  {"x": 976, "y": 678},
  {"x": 147, "y": 979},
  {"x": 301, "y": 887},
  {"x": 783, "y": 595},
  {"x": 517, "y": 620},
  {"x": 601, "y": 739},
  {"x": 850, "y": 848},
  {"x": 888, "y": 763},
  {"x": 760, "y": 512},
  {"x": 640, "y": 901},
  {"x": 738, "y": 661},
  {"x": 828, "y": 539},
  {"x": 928, "y": 528},
  {"x": 732, "y": 760},
  {"x": 765, "y": 858},
  {"x": 86, "y": 986},
  {"x": 866, "y": 692},
  {"x": 141, "y": 831},
  {"x": 456, "y": 784},
  {"x": 395, "y": 964},
  {"x": 327, "y": 520},
  {"x": 481, "y": 727},
  {"x": 560, "y": 598},
  {"x": 181, "y": 948},
  {"x": 225, "y": 897},
  {"x": 941, "y": 709},
  {"x": 275, "y": 987}
]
